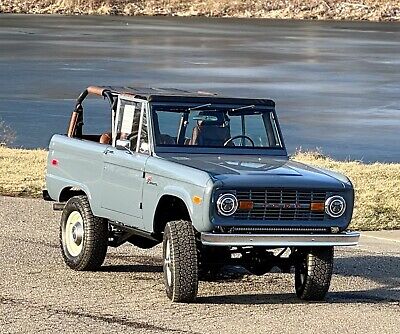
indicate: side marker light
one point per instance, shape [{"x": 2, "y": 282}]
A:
[{"x": 197, "y": 200}]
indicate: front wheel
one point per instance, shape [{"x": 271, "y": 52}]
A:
[
  {"x": 180, "y": 261},
  {"x": 313, "y": 273},
  {"x": 83, "y": 236}
]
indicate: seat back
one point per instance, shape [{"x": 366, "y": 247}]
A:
[
  {"x": 211, "y": 133},
  {"x": 105, "y": 138}
]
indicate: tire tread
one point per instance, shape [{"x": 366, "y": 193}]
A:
[
  {"x": 184, "y": 255},
  {"x": 319, "y": 273},
  {"x": 95, "y": 237}
]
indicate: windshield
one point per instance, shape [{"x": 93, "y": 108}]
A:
[{"x": 215, "y": 126}]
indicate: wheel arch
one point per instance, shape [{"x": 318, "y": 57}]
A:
[
  {"x": 71, "y": 191},
  {"x": 169, "y": 207}
]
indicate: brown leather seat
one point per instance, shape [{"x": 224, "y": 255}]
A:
[
  {"x": 105, "y": 138},
  {"x": 211, "y": 133}
]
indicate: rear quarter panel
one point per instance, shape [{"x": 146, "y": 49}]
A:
[{"x": 79, "y": 163}]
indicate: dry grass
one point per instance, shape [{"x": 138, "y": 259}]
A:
[
  {"x": 374, "y": 10},
  {"x": 377, "y": 185},
  {"x": 22, "y": 172},
  {"x": 376, "y": 188}
]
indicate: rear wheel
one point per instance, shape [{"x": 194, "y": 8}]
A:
[
  {"x": 313, "y": 273},
  {"x": 83, "y": 236},
  {"x": 180, "y": 261}
]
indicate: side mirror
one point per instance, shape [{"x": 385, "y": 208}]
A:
[{"x": 123, "y": 144}]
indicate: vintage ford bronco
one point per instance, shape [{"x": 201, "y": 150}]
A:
[{"x": 207, "y": 176}]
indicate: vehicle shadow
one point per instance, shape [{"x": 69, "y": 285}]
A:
[
  {"x": 139, "y": 268},
  {"x": 250, "y": 299},
  {"x": 383, "y": 271},
  {"x": 357, "y": 297},
  {"x": 380, "y": 269}
]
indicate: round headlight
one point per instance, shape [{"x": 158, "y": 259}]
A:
[
  {"x": 335, "y": 206},
  {"x": 227, "y": 204}
]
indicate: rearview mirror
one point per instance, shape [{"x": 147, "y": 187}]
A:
[{"x": 208, "y": 118}]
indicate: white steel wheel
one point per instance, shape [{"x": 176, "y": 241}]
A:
[
  {"x": 74, "y": 233},
  {"x": 83, "y": 236}
]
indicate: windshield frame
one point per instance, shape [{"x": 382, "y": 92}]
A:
[{"x": 194, "y": 149}]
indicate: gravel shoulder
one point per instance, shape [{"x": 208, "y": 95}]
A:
[{"x": 38, "y": 292}]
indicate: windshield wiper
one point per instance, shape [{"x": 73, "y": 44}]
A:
[
  {"x": 244, "y": 107},
  {"x": 200, "y": 106}
]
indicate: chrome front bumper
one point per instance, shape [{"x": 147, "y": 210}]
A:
[{"x": 280, "y": 240}]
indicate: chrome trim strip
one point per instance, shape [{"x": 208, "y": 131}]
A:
[{"x": 280, "y": 240}]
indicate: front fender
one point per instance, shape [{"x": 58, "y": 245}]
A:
[
  {"x": 182, "y": 194},
  {"x": 195, "y": 210}
]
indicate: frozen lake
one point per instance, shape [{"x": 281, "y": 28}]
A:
[{"x": 336, "y": 84}]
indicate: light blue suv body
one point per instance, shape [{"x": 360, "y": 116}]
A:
[{"x": 218, "y": 163}]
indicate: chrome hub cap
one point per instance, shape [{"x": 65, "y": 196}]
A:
[
  {"x": 167, "y": 263},
  {"x": 74, "y": 233}
]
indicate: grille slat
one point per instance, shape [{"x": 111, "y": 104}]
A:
[{"x": 280, "y": 204}]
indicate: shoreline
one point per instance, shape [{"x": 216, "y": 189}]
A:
[
  {"x": 22, "y": 174},
  {"x": 362, "y": 10}
]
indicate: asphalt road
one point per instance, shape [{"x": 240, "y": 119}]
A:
[{"x": 39, "y": 294}]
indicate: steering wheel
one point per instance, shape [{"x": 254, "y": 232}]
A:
[
  {"x": 240, "y": 136},
  {"x": 131, "y": 135}
]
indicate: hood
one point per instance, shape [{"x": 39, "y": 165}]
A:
[{"x": 260, "y": 171}]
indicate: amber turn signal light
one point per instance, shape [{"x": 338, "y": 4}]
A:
[
  {"x": 318, "y": 206},
  {"x": 197, "y": 200},
  {"x": 245, "y": 205}
]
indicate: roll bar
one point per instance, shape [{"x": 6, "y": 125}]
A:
[{"x": 76, "y": 120}]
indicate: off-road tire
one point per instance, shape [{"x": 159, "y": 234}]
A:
[
  {"x": 313, "y": 273},
  {"x": 94, "y": 239},
  {"x": 180, "y": 263}
]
